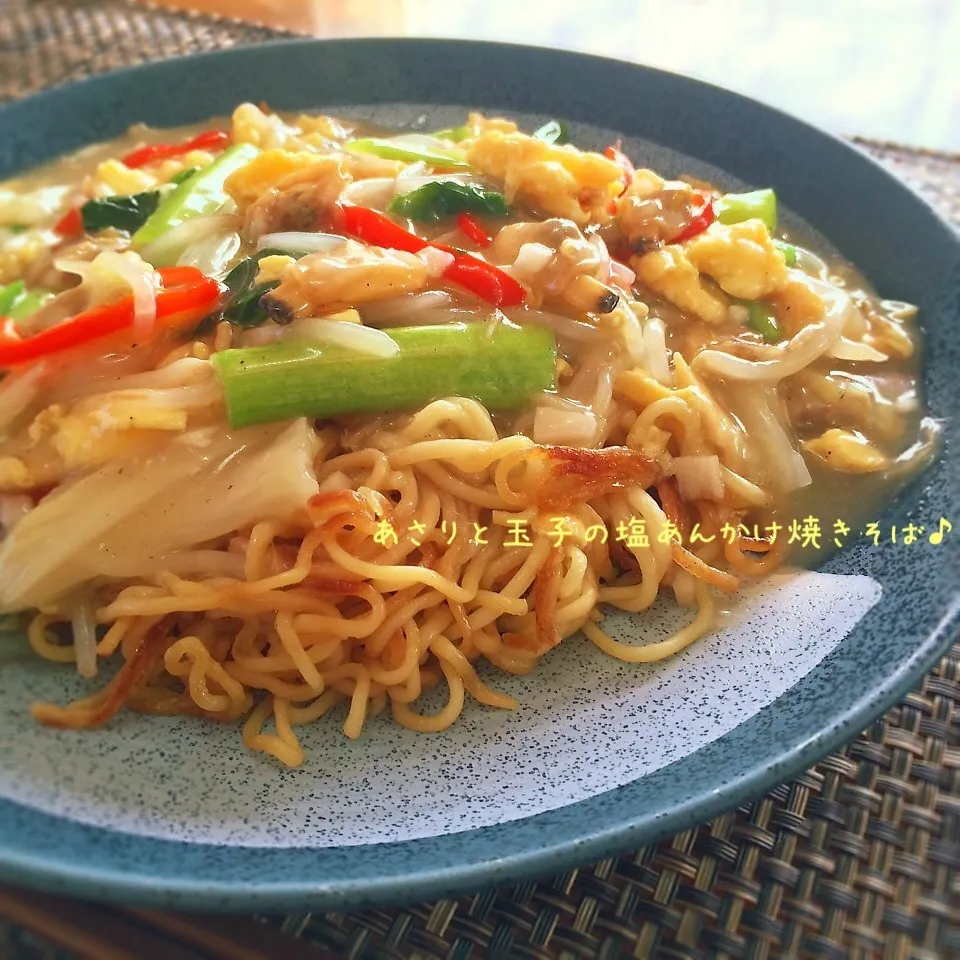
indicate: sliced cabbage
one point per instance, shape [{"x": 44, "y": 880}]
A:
[{"x": 133, "y": 515}]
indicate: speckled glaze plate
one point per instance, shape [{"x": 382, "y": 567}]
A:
[{"x": 601, "y": 756}]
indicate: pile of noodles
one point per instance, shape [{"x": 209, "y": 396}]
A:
[{"x": 221, "y": 613}]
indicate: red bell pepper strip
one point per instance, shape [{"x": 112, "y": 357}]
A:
[
  {"x": 614, "y": 153},
  {"x": 473, "y": 230},
  {"x": 476, "y": 275},
  {"x": 70, "y": 224},
  {"x": 209, "y": 140},
  {"x": 701, "y": 220},
  {"x": 187, "y": 295}
]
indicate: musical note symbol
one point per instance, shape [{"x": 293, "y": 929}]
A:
[{"x": 936, "y": 538}]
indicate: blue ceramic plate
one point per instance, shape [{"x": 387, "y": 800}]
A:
[{"x": 601, "y": 756}]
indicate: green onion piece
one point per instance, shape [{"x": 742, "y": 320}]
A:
[
  {"x": 388, "y": 150},
  {"x": 178, "y": 178},
  {"x": 9, "y": 296},
  {"x": 501, "y": 368},
  {"x": 29, "y": 303},
  {"x": 122, "y": 212},
  {"x": 455, "y": 134},
  {"x": 445, "y": 198},
  {"x": 764, "y": 321},
  {"x": 788, "y": 250},
  {"x": 755, "y": 205},
  {"x": 553, "y": 131},
  {"x": 18, "y": 228},
  {"x": 198, "y": 196}
]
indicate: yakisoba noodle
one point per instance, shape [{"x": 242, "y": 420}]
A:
[{"x": 651, "y": 364}]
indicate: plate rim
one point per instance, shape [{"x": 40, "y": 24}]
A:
[{"x": 437, "y": 879}]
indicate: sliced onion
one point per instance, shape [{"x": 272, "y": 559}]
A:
[
  {"x": 412, "y": 171},
  {"x": 300, "y": 242},
  {"x": 407, "y": 182},
  {"x": 811, "y": 264},
  {"x": 561, "y": 325},
  {"x": 787, "y": 358},
  {"x": 337, "y": 480},
  {"x": 755, "y": 408},
  {"x": 18, "y": 391},
  {"x": 13, "y": 508},
  {"x": 142, "y": 281},
  {"x": 621, "y": 274},
  {"x": 846, "y": 349},
  {"x": 85, "y": 637},
  {"x": 405, "y": 307},
  {"x": 655, "y": 348},
  {"x": 421, "y": 141},
  {"x": 211, "y": 254},
  {"x": 375, "y": 192},
  {"x": 166, "y": 249},
  {"x": 352, "y": 336},
  {"x": 531, "y": 259},
  {"x": 571, "y": 425},
  {"x": 436, "y": 261},
  {"x": 699, "y": 477}
]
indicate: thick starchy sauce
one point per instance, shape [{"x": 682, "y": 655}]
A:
[{"x": 897, "y": 425}]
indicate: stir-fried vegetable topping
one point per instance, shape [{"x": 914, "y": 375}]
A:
[
  {"x": 757, "y": 204},
  {"x": 502, "y": 368},
  {"x": 17, "y": 303},
  {"x": 392, "y": 150},
  {"x": 440, "y": 199},
  {"x": 788, "y": 250},
  {"x": 198, "y": 196},
  {"x": 478, "y": 276},
  {"x": 454, "y": 134},
  {"x": 209, "y": 140},
  {"x": 122, "y": 212},
  {"x": 187, "y": 297},
  {"x": 762, "y": 318},
  {"x": 242, "y": 306},
  {"x": 553, "y": 131},
  {"x": 186, "y": 174}
]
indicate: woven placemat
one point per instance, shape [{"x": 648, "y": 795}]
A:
[{"x": 859, "y": 857}]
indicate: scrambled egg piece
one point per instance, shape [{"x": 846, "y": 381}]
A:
[
  {"x": 740, "y": 257},
  {"x": 115, "y": 177},
  {"x": 640, "y": 388},
  {"x": 796, "y": 304},
  {"x": 267, "y": 169},
  {"x": 560, "y": 181},
  {"x": 58, "y": 442},
  {"x": 250, "y": 124},
  {"x": 22, "y": 251},
  {"x": 478, "y": 124},
  {"x": 668, "y": 272},
  {"x": 847, "y": 452},
  {"x": 270, "y": 269}
]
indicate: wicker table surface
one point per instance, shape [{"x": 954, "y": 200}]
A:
[{"x": 859, "y": 857}]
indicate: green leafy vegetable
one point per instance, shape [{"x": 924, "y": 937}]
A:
[
  {"x": 389, "y": 150},
  {"x": 123, "y": 213},
  {"x": 764, "y": 321},
  {"x": 454, "y": 134},
  {"x": 553, "y": 131},
  {"x": 445, "y": 198},
  {"x": 757, "y": 204},
  {"x": 242, "y": 306},
  {"x": 502, "y": 369},
  {"x": 178, "y": 178},
  {"x": 18, "y": 303},
  {"x": 788, "y": 250},
  {"x": 198, "y": 196},
  {"x": 9, "y": 296}
]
